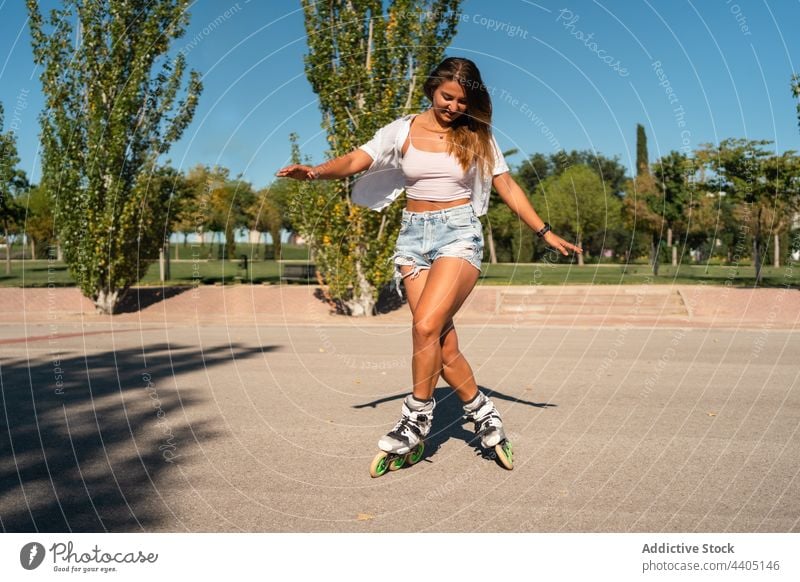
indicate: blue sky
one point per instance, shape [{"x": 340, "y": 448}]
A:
[{"x": 574, "y": 74}]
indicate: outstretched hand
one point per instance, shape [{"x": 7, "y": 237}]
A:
[
  {"x": 560, "y": 244},
  {"x": 295, "y": 171}
]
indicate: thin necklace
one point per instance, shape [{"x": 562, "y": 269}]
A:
[
  {"x": 439, "y": 130},
  {"x": 442, "y": 131}
]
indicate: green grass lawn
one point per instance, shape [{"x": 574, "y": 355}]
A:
[
  {"x": 194, "y": 267},
  {"x": 43, "y": 274},
  {"x": 205, "y": 271},
  {"x": 610, "y": 274}
]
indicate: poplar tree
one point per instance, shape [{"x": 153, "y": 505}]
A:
[
  {"x": 112, "y": 108},
  {"x": 367, "y": 66}
]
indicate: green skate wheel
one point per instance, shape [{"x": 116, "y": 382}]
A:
[
  {"x": 505, "y": 454},
  {"x": 379, "y": 465},
  {"x": 397, "y": 463},
  {"x": 414, "y": 456}
]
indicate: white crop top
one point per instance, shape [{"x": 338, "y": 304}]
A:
[
  {"x": 384, "y": 181},
  {"x": 435, "y": 176}
]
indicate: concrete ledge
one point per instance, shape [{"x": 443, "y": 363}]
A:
[{"x": 595, "y": 305}]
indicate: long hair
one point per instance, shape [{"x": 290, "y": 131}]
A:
[{"x": 470, "y": 137}]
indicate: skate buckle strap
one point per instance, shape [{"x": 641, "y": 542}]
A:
[
  {"x": 402, "y": 426},
  {"x": 487, "y": 423}
]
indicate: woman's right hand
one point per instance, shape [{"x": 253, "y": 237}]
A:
[
  {"x": 560, "y": 244},
  {"x": 296, "y": 172}
]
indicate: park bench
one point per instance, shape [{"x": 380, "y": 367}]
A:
[
  {"x": 303, "y": 272},
  {"x": 242, "y": 269}
]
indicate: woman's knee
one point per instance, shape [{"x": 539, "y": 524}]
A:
[{"x": 427, "y": 327}]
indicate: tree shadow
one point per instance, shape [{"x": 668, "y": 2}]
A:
[
  {"x": 449, "y": 418},
  {"x": 88, "y": 439},
  {"x": 140, "y": 298},
  {"x": 388, "y": 301}
]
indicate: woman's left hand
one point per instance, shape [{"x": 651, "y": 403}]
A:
[{"x": 560, "y": 244}]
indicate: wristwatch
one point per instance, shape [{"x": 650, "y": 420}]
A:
[{"x": 545, "y": 229}]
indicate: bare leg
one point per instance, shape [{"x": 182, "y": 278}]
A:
[
  {"x": 434, "y": 297},
  {"x": 456, "y": 371}
]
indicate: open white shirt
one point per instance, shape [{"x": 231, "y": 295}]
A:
[{"x": 383, "y": 181}]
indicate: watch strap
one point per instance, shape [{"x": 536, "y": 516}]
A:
[{"x": 544, "y": 230}]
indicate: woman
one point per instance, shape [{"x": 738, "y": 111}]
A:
[{"x": 447, "y": 161}]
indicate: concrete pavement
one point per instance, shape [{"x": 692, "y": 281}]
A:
[{"x": 153, "y": 423}]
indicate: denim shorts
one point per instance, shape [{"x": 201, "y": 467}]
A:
[{"x": 426, "y": 236}]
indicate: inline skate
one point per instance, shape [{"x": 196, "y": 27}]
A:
[
  {"x": 489, "y": 428},
  {"x": 405, "y": 443}
]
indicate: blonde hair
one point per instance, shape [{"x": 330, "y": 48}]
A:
[{"x": 470, "y": 137}]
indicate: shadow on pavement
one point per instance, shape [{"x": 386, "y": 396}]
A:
[
  {"x": 140, "y": 298},
  {"x": 88, "y": 439},
  {"x": 388, "y": 300}
]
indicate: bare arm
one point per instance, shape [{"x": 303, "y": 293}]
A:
[
  {"x": 515, "y": 198},
  {"x": 352, "y": 163}
]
